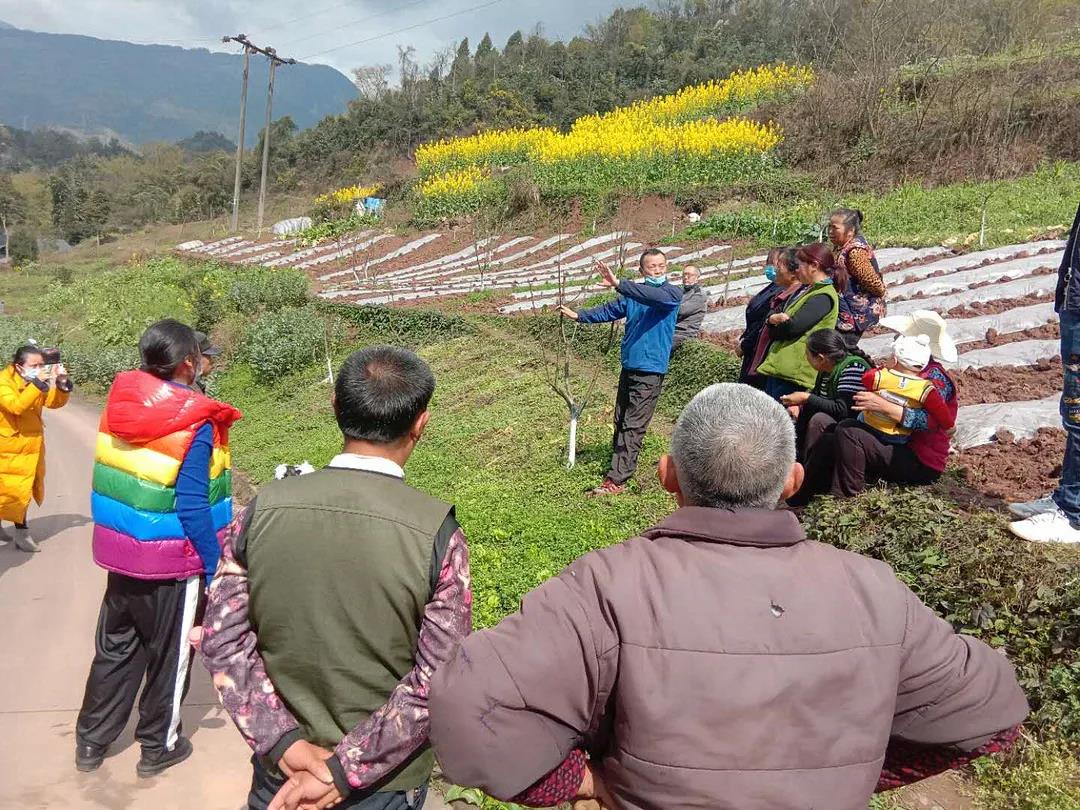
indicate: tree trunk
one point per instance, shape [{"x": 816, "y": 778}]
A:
[{"x": 571, "y": 449}]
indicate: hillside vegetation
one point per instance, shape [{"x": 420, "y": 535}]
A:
[
  {"x": 496, "y": 445},
  {"x": 904, "y": 92}
]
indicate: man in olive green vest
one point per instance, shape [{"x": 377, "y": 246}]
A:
[{"x": 338, "y": 595}]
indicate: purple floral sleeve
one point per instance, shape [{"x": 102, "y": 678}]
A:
[
  {"x": 229, "y": 651},
  {"x": 385, "y": 739}
]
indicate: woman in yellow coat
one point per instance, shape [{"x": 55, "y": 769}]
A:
[{"x": 26, "y": 386}]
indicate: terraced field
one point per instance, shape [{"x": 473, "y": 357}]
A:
[{"x": 999, "y": 303}]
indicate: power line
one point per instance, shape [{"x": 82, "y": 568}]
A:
[
  {"x": 307, "y": 16},
  {"x": 359, "y": 21},
  {"x": 275, "y": 60},
  {"x": 403, "y": 30}
]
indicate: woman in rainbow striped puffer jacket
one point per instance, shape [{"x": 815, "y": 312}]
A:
[{"x": 161, "y": 497}]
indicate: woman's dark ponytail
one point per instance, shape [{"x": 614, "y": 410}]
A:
[
  {"x": 830, "y": 344},
  {"x": 165, "y": 346}
]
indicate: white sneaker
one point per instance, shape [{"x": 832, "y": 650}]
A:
[
  {"x": 1049, "y": 527},
  {"x": 1032, "y": 508}
]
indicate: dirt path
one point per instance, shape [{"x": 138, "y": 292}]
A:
[{"x": 50, "y": 602}]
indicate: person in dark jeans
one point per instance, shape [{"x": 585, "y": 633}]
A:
[
  {"x": 650, "y": 309},
  {"x": 1057, "y": 519}
]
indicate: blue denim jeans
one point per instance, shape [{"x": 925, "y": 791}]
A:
[{"x": 1067, "y": 495}]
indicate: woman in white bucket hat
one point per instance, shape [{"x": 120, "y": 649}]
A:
[
  {"x": 925, "y": 322},
  {"x": 850, "y": 457}
]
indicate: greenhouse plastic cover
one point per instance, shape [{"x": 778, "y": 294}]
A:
[
  {"x": 287, "y": 227},
  {"x": 977, "y": 424}
]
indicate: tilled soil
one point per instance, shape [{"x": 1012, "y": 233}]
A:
[
  {"x": 996, "y": 307},
  {"x": 1048, "y": 331},
  {"x": 728, "y": 341},
  {"x": 1016, "y": 470},
  {"x": 976, "y": 386}
]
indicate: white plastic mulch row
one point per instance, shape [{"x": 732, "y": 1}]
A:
[
  {"x": 445, "y": 264},
  {"x": 968, "y": 261},
  {"x": 1021, "y": 287},
  {"x": 294, "y": 259},
  {"x": 1020, "y": 353},
  {"x": 224, "y": 250},
  {"x": 477, "y": 261},
  {"x": 724, "y": 320},
  {"x": 969, "y": 330},
  {"x": 404, "y": 250},
  {"x": 455, "y": 286},
  {"x": 505, "y": 279},
  {"x": 977, "y": 424},
  {"x": 960, "y": 280},
  {"x": 538, "y": 300},
  {"x": 260, "y": 258},
  {"x": 259, "y": 250},
  {"x": 343, "y": 253},
  {"x": 208, "y": 246}
]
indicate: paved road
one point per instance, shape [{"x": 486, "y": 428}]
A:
[{"x": 49, "y": 604}]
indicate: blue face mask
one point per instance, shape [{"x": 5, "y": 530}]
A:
[
  {"x": 770, "y": 272},
  {"x": 656, "y": 281}
]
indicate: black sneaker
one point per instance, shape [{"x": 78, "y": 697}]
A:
[
  {"x": 153, "y": 763},
  {"x": 88, "y": 757}
]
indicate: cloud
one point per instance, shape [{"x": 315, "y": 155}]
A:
[{"x": 322, "y": 31}]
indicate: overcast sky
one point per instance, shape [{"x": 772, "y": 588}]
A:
[{"x": 311, "y": 30}]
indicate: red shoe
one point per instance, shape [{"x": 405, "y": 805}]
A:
[{"x": 609, "y": 487}]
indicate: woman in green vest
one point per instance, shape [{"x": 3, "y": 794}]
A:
[
  {"x": 840, "y": 377},
  {"x": 815, "y": 307}
]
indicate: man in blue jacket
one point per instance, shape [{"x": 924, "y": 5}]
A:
[
  {"x": 1057, "y": 519},
  {"x": 650, "y": 309}
]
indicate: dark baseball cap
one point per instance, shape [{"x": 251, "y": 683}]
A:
[{"x": 207, "y": 348}]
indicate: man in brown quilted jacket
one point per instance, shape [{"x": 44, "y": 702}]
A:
[{"x": 720, "y": 659}]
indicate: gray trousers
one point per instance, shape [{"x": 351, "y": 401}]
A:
[{"x": 634, "y": 407}]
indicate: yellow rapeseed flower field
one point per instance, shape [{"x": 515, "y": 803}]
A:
[
  {"x": 460, "y": 181},
  {"x": 631, "y": 123},
  {"x": 348, "y": 194},
  {"x": 626, "y": 137},
  {"x": 677, "y": 138},
  {"x": 490, "y": 148}
]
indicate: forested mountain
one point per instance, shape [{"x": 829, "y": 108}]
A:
[
  {"x": 47, "y": 148},
  {"x": 930, "y": 91},
  {"x": 639, "y": 52},
  {"x": 143, "y": 93}
]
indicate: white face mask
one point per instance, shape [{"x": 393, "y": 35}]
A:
[{"x": 29, "y": 374}]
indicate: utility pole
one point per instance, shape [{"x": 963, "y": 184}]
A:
[
  {"x": 235, "y": 224},
  {"x": 266, "y": 137},
  {"x": 275, "y": 60}
]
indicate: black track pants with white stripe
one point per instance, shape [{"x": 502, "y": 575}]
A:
[{"x": 142, "y": 633}]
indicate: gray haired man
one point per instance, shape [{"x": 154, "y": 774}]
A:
[
  {"x": 692, "y": 309},
  {"x": 720, "y": 659}
]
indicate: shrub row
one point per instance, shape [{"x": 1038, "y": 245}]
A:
[{"x": 1021, "y": 597}]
